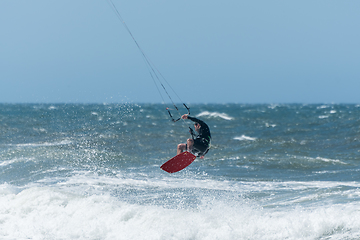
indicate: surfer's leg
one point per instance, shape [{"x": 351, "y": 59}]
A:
[
  {"x": 190, "y": 144},
  {"x": 180, "y": 148}
]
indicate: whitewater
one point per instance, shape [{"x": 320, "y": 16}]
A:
[{"x": 92, "y": 171}]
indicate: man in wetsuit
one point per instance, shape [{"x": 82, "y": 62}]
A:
[{"x": 200, "y": 145}]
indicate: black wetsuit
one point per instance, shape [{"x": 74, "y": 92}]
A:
[{"x": 201, "y": 141}]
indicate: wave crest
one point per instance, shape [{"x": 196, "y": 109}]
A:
[
  {"x": 215, "y": 114},
  {"x": 244, "y": 138}
]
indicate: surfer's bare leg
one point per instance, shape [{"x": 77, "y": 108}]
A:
[
  {"x": 180, "y": 148},
  {"x": 190, "y": 144},
  {"x": 185, "y": 146}
]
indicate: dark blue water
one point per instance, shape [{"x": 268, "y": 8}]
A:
[{"x": 91, "y": 171}]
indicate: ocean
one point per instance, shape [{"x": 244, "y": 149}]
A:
[{"x": 92, "y": 171}]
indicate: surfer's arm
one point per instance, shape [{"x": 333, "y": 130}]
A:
[{"x": 196, "y": 120}]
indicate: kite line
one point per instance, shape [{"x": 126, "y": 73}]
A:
[{"x": 155, "y": 74}]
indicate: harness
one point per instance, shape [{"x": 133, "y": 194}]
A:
[{"x": 196, "y": 151}]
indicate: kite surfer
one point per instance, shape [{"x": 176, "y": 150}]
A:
[{"x": 200, "y": 144}]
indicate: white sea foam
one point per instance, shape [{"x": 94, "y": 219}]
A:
[
  {"x": 215, "y": 115},
  {"x": 40, "y": 212},
  {"x": 4, "y": 163},
  {"x": 270, "y": 125},
  {"x": 244, "y": 138},
  {"x": 322, "y": 106},
  {"x": 273, "y": 106},
  {"x": 43, "y": 144},
  {"x": 330, "y": 160}
]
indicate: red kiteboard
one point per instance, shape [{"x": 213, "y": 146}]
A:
[{"x": 179, "y": 162}]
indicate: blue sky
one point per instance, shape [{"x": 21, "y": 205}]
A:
[{"x": 209, "y": 51}]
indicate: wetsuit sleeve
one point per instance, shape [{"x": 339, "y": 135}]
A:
[{"x": 197, "y": 121}]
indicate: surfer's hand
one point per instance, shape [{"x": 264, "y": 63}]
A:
[{"x": 185, "y": 116}]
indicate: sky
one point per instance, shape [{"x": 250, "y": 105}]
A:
[{"x": 229, "y": 51}]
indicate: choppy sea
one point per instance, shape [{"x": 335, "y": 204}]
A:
[{"x": 92, "y": 171}]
